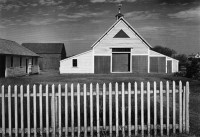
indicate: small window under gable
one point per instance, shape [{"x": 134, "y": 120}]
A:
[
  {"x": 74, "y": 63},
  {"x": 121, "y": 34}
]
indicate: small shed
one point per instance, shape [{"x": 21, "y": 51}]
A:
[
  {"x": 121, "y": 49},
  {"x": 16, "y": 60},
  {"x": 50, "y": 53}
]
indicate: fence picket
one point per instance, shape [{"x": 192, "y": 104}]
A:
[
  {"x": 148, "y": 109},
  {"x": 136, "y": 109},
  {"x": 161, "y": 108},
  {"x": 155, "y": 109},
  {"x": 22, "y": 110},
  {"x": 28, "y": 111},
  {"x": 184, "y": 109},
  {"x": 16, "y": 112},
  {"x": 142, "y": 108},
  {"x": 53, "y": 111},
  {"x": 91, "y": 110},
  {"x": 66, "y": 110},
  {"x": 47, "y": 110},
  {"x": 85, "y": 110},
  {"x": 110, "y": 109},
  {"x": 59, "y": 110},
  {"x": 123, "y": 111},
  {"x": 174, "y": 107},
  {"x": 72, "y": 110},
  {"x": 9, "y": 111},
  {"x": 34, "y": 110},
  {"x": 78, "y": 109},
  {"x": 116, "y": 110},
  {"x": 129, "y": 109},
  {"x": 3, "y": 111},
  {"x": 187, "y": 107},
  {"x": 167, "y": 92},
  {"x": 97, "y": 107},
  {"x": 104, "y": 106},
  {"x": 41, "y": 111},
  {"x": 180, "y": 107}
]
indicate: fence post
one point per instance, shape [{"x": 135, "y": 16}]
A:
[{"x": 187, "y": 107}]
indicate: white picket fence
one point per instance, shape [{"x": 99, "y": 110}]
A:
[{"x": 87, "y": 110}]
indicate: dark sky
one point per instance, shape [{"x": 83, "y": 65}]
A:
[{"x": 79, "y": 23}]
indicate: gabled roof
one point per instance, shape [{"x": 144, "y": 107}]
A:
[
  {"x": 45, "y": 48},
  {"x": 9, "y": 47},
  {"x": 128, "y": 25}
]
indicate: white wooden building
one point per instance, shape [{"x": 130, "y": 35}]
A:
[{"x": 121, "y": 49}]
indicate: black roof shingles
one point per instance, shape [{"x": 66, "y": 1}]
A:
[{"x": 9, "y": 47}]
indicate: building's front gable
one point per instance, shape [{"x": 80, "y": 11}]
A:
[{"x": 120, "y": 36}]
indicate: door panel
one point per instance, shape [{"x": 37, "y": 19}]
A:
[
  {"x": 121, "y": 62},
  {"x": 169, "y": 66},
  {"x": 2, "y": 66}
]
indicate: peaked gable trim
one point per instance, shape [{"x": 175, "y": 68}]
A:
[{"x": 139, "y": 36}]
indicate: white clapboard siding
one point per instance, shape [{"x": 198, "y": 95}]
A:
[
  {"x": 88, "y": 109},
  {"x": 84, "y": 63}
]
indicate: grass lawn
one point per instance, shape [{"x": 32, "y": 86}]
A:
[{"x": 56, "y": 78}]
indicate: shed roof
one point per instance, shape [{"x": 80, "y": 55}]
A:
[
  {"x": 45, "y": 48},
  {"x": 9, "y": 47}
]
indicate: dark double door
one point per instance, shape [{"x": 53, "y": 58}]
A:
[
  {"x": 2, "y": 65},
  {"x": 121, "y": 62}
]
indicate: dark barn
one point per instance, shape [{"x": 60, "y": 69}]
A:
[{"x": 50, "y": 53}]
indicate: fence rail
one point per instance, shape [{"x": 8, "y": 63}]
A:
[{"x": 95, "y": 110}]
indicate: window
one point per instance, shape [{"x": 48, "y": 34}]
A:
[
  {"x": 11, "y": 61},
  {"x": 74, "y": 62},
  {"x": 20, "y": 61},
  {"x": 121, "y": 50}
]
